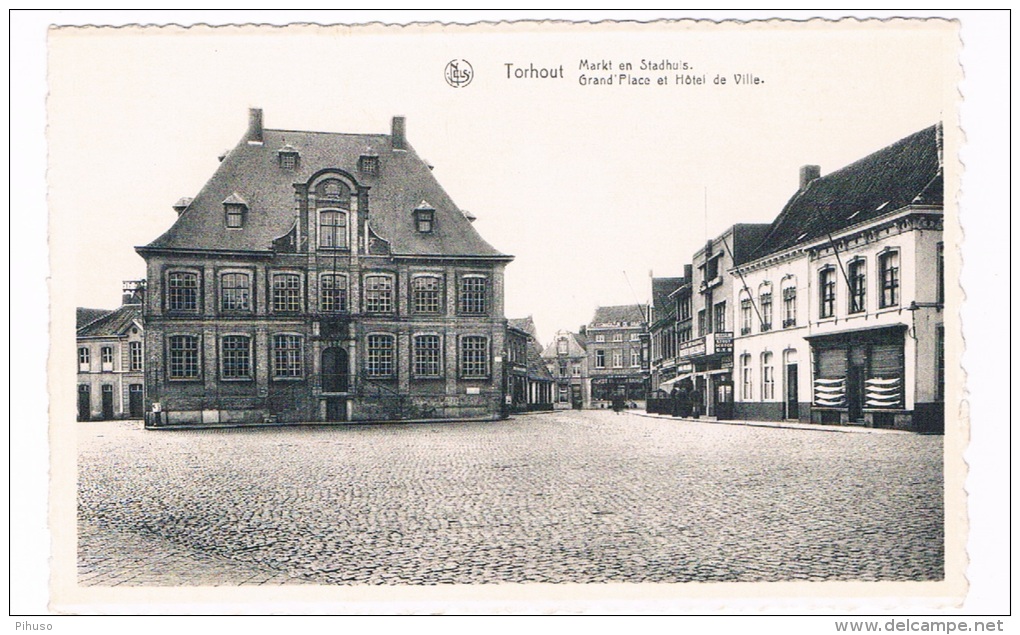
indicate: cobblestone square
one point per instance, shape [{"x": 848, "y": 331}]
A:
[{"x": 582, "y": 497}]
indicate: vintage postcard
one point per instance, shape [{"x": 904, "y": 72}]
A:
[{"x": 524, "y": 316}]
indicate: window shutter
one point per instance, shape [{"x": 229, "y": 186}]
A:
[
  {"x": 831, "y": 363},
  {"x": 886, "y": 360}
]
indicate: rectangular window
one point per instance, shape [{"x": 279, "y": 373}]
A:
[
  {"x": 235, "y": 357},
  {"x": 287, "y": 356},
  {"x": 766, "y": 310},
  {"x": 135, "y": 355},
  {"x": 332, "y": 292},
  {"x": 84, "y": 360},
  {"x": 634, "y": 337},
  {"x": 720, "y": 317},
  {"x": 182, "y": 291},
  {"x": 617, "y": 359},
  {"x": 889, "y": 272},
  {"x": 235, "y": 216},
  {"x": 425, "y": 220},
  {"x": 600, "y": 359},
  {"x": 474, "y": 357},
  {"x": 474, "y": 295},
  {"x": 427, "y": 356},
  {"x": 712, "y": 269},
  {"x": 288, "y": 160},
  {"x": 745, "y": 316},
  {"x": 702, "y": 324},
  {"x": 617, "y": 337},
  {"x": 379, "y": 356},
  {"x": 183, "y": 357},
  {"x": 286, "y": 293},
  {"x": 235, "y": 292},
  {"x": 856, "y": 272},
  {"x": 107, "y": 358},
  {"x": 577, "y": 370},
  {"x": 563, "y": 369},
  {"x": 768, "y": 380},
  {"x": 747, "y": 384},
  {"x": 600, "y": 337},
  {"x": 333, "y": 229},
  {"x": 789, "y": 307},
  {"x": 635, "y": 357},
  {"x": 426, "y": 294},
  {"x": 561, "y": 346},
  {"x": 378, "y": 294},
  {"x": 827, "y": 292}
]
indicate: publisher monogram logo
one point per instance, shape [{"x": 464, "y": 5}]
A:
[{"x": 459, "y": 73}]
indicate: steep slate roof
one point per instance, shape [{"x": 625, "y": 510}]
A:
[
  {"x": 662, "y": 288},
  {"x": 114, "y": 323},
  {"x": 536, "y": 367},
  {"x": 253, "y": 173},
  {"x": 85, "y": 316},
  {"x": 633, "y": 313},
  {"x": 526, "y": 324},
  {"x": 906, "y": 172}
]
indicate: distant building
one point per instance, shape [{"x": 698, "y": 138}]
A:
[
  {"x": 618, "y": 353},
  {"x": 529, "y": 382},
  {"x": 670, "y": 326},
  {"x": 323, "y": 277},
  {"x": 567, "y": 361},
  {"x": 843, "y": 301},
  {"x": 111, "y": 364}
]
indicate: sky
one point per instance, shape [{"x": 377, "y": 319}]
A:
[{"x": 592, "y": 188}]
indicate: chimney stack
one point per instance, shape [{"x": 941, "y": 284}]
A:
[
  {"x": 809, "y": 173},
  {"x": 399, "y": 134},
  {"x": 688, "y": 273},
  {"x": 255, "y": 125}
]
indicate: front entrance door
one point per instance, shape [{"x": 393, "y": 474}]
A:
[
  {"x": 855, "y": 393},
  {"x": 135, "y": 401},
  {"x": 724, "y": 401},
  {"x": 84, "y": 402},
  {"x": 335, "y": 377},
  {"x": 107, "y": 401},
  {"x": 336, "y": 409},
  {"x": 792, "y": 407}
]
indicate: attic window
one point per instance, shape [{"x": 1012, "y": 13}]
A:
[
  {"x": 424, "y": 218},
  {"x": 368, "y": 164},
  {"x": 288, "y": 157},
  {"x": 234, "y": 209}
]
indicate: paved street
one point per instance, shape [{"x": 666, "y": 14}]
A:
[{"x": 564, "y": 497}]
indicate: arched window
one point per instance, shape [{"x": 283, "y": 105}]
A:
[
  {"x": 333, "y": 229},
  {"x": 827, "y": 292},
  {"x": 856, "y": 272},
  {"x": 426, "y": 294},
  {"x": 789, "y": 302},
  {"x": 765, "y": 305},
  {"x": 768, "y": 378},
  {"x": 889, "y": 276},
  {"x": 746, "y": 380}
]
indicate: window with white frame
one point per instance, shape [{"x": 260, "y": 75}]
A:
[
  {"x": 600, "y": 337},
  {"x": 889, "y": 275},
  {"x": 600, "y": 359},
  {"x": 378, "y": 294},
  {"x": 617, "y": 337},
  {"x": 84, "y": 359},
  {"x": 288, "y": 355},
  {"x": 135, "y": 356},
  {"x": 720, "y": 317},
  {"x": 182, "y": 291},
  {"x": 287, "y": 293},
  {"x": 474, "y": 294},
  {"x": 379, "y": 355},
  {"x": 235, "y": 357},
  {"x": 234, "y": 214},
  {"x": 332, "y": 292},
  {"x": 561, "y": 346},
  {"x": 576, "y": 371},
  {"x": 426, "y": 294},
  {"x": 827, "y": 292},
  {"x": 768, "y": 380},
  {"x": 183, "y": 357},
  {"x": 635, "y": 357},
  {"x": 235, "y": 292},
  {"x": 474, "y": 357},
  {"x": 789, "y": 306},
  {"x": 746, "y": 379},
  {"x": 332, "y": 229},
  {"x": 106, "y": 353},
  {"x": 765, "y": 300},
  {"x": 745, "y": 316},
  {"x": 617, "y": 359},
  {"x": 428, "y": 355},
  {"x": 856, "y": 272}
]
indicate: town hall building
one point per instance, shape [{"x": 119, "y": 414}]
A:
[{"x": 322, "y": 277}]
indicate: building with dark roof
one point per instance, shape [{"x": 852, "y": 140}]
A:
[
  {"x": 111, "y": 359},
  {"x": 670, "y": 326},
  {"x": 841, "y": 304},
  {"x": 566, "y": 358},
  {"x": 323, "y": 277},
  {"x": 618, "y": 354},
  {"x": 529, "y": 382}
]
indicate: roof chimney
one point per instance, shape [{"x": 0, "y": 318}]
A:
[
  {"x": 809, "y": 173},
  {"x": 254, "y": 125},
  {"x": 399, "y": 134}
]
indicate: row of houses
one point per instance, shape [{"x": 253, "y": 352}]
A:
[
  {"x": 831, "y": 314},
  {"x": 319, "y": 277}
]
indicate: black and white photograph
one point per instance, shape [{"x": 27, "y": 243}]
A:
[{"x": 507, "y": 317}]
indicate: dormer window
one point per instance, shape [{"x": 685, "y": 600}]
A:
[
  {"x": 424, "y": 218},
  {"x": 368, "y": 164},
  {"x": 288, "y": 155},
  {"x": 234, "y": 210}
]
